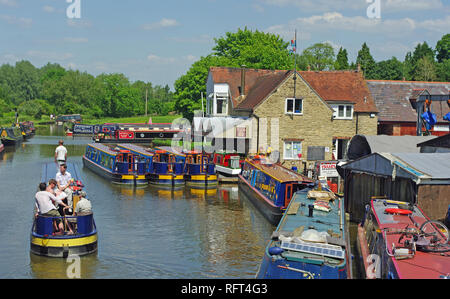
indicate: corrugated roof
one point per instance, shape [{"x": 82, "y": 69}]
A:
[
  {"x": 392, "y": 144},
  {"x": 437, "y": 166}
]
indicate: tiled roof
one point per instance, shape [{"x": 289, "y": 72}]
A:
[
  {"x": 342, "y": 86},
  {"x": 392, "y": 99},
  {"x": 346, "y": 86}
]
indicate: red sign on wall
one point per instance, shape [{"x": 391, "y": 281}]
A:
[{"x": 126, "y": 135}]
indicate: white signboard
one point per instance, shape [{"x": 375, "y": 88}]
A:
[{"x": 328, "y": 169}]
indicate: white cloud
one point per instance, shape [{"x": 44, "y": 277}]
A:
[
  {"x": 23, "y": 22},
  {"x": 49, "y": 55},
  {"x": 10, "y": 3},
  {"x": 161, "y": 24},
  {"x": 409, "y": 5},
  {"x": 49, "y": 9},
  {"x": 160, "y": 60}
]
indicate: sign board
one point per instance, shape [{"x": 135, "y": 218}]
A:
[
  {"x": 241, "y": 132},
  {"x": 328, "y": 169}
]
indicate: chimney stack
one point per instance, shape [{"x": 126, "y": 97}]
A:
[{"x": 243, "y": 80}]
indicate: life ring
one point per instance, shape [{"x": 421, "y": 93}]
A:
[{"x": 398, "y": 211}]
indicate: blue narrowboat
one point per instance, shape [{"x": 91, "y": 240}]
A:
[
  {"x": 270, "y": 186},
  {"x": 167, "y": 170},
  {"x": 200, "y": 170},
  {"x": 46, "y": 242},
  {"x": 311, "y": 240},
  {"x": 119, "y": 166},
  {"x": 145, "y": 154}
]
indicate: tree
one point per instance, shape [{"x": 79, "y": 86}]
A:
[
  {"x": 341, "y": 60},
  {"x": 443, "y": 48},
  {"x": 366, "y": 61},
  {"x": 391, "y": 69},
  {"x": 254, "y": 49},
  {"x": 426, "y": 70},
  {"x": 320, "y": 56},
  {"x": 443, "y": 71}
]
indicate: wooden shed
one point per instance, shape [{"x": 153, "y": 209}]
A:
[{"x": 419, "y": 178}]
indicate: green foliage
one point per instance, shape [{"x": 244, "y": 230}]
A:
[
  {"x": 426, "y": 69},
  {"x": 320, "y": 56},
  {"x": 391, "y": 69},
  {"x": 341, "y": 60},
  {"x": 366, "y": 61},
  {"x": 443, "y": 48}
]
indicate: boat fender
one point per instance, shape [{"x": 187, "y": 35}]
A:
[{"x": 275, "y": 251}]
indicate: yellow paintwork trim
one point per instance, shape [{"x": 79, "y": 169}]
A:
[
  {"x": 64, "y": 242},
  {"x": 131, "y": 177},
  {"x": 201, "y": 177},
  {"x": 169, "y": 177}
]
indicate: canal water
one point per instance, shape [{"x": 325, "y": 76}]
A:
[{"x": 143, "y": 233}]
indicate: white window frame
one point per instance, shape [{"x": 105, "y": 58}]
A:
[
  {"x": 293, "y": 106},
  {"x": 291, "y": 142},
  {"x": 336, "y": 111},
  {"x": 224, "y": 97}
]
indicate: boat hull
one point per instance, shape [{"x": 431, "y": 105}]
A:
[
  {"x": 166, "y": 180},
  {"x": 115, "y": 177},
  {"x": 63, "y": 247},
  {"x": 226, "y": 171},
  {"x": 201, "y": 181},
  {"x": 271, "y": 212}
]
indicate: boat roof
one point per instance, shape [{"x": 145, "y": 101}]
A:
[
  {"x": 49, "y": 171},
  {"x": 278, "y": 172},
  {"x": 178, "y": 151},
  {"x": 422, "y": 265},
  {"x": 104, "y": 148},
  {"x": 135, "y": 148},
  {"x": 295, "y": 220}
]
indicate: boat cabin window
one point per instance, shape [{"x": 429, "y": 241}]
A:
[{"x": 234, "y": 162}]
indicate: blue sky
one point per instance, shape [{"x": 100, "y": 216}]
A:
[{"x": 157, "y": 41}]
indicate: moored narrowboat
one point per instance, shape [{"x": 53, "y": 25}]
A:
[
  {"x": 227, "y": 164},
  {"x": 311, "y": 240},
  {"x": 166, "y": 170},
  {"x": 45, "y": 241},
  {"x": 200, "y": 170},
  {"x": 396, "y": 240},
  {"x": 11, "y": 136},
  {"x": 119, "y": 166},
  {"x": 270, "y": 186},
  {"x": 134, "y": 133}
]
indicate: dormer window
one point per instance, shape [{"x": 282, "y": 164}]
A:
[{"x": 221, "y": 104}]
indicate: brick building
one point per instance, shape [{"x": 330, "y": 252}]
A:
[
  {"x": 396, "y": 102},
  {"x": 306, "y": 116}
]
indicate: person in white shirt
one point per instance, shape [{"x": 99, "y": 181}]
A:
[
  {"x": 64, "y": 179},
  {"x": 61, "y": 153},
  {"x": 45, "y": 205},
  {"x": 83, "y": 206}
]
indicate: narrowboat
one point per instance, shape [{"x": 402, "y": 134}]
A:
[
  {"x": 25, "y": 130},
  {"x": 166, "y": 170},
  {"x": 311, "y": 240},
  {"x": 270, "y": 186},
  {"x": 45, "y": 242},
  {"x": 396, "y": 240},
  {"x": 200, "y": 170},
  {"x": 227, "y": 164},
  {"x": 11, "y": 135},
  {"x": 134, "y": 133},
  {"x": 145, "y": 154},
  {"x": 119, "y": 166}
]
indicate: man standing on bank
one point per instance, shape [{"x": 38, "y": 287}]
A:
[{"x": 61, "y": 153}]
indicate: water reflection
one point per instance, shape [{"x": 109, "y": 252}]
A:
[
  {"x": 54, "y": 268},
  {"x": 143, "y": 232}
]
